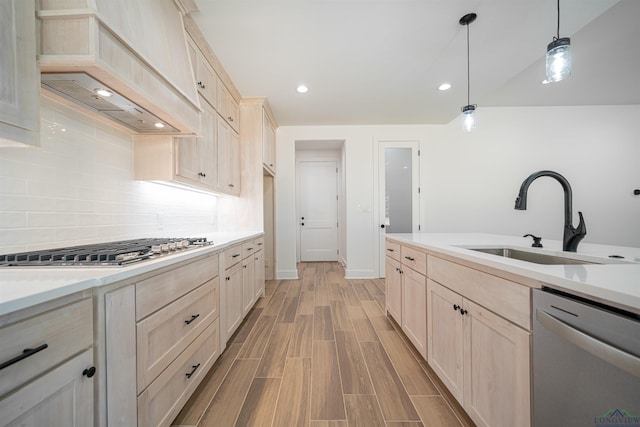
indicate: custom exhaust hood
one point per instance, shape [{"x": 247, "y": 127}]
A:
[
  {"x": 125, "y": 61},
  {"x": 85, "y": 91}
]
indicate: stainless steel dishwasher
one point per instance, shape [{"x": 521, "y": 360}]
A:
[{"x": 586, "y": 363}]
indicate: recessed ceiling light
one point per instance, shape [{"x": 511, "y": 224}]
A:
[
  {"x": 302, "y": 89},
  {"x": 159, "y": 125},
  {"x": 103, "y": 92},
  {"x": 444, "y": 86}
]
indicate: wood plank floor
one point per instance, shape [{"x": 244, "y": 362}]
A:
[{"x": 319, "y": 351}]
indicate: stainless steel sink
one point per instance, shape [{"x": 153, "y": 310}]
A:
[{"x": 536, "y": 257}]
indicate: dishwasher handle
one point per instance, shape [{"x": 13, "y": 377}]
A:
[{"x": 613, "y": 355}]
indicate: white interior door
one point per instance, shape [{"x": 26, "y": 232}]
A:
[
  {"x": 399, "y": 192},
  {"x": 318, "y": 210}
]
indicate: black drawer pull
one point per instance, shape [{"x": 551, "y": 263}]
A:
[
  {"x": 249, "y": 249},
  {"x": 193, "y": 317},
  {"x": 390, "y": 250},
  {"x": 25, "y": 353},
  {"x": 235, "y": 255},
  {"x": 410, "y": 258},
  {"x": 193, "y": 370},
  {"x": 89, "y": 372}
]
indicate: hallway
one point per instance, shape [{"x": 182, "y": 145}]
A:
[{"x": 318, "y": 351}]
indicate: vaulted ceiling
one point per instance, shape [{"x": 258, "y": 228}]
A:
[{"x": 381, "y": 61}]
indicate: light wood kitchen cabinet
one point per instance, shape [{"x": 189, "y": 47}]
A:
[
  {"x": 228, "y": 158},
  {"x": 407, "y": 292},
  {"x": 52, "y": 382},
  {"x": 248, "y": 283},
  {"x": 259, "y": 130},
  {"x": 159, "y": 335},
  {"x": 228, "y": 107},
  {"x": 196, "y": 157},
  {"x": 19, "y": 75},
  {"x": 268, "y": 143},
  {"x": 483, "y": 359},
  {"x": 205, "y": 78},
  {"x": 393, "y": 288},
  {"x": 233, "y": 289}
]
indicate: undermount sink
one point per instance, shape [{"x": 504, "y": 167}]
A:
[{"x": 537, "y": 257}]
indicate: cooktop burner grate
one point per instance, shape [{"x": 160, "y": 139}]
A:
[{"x": 103, "y": 254}]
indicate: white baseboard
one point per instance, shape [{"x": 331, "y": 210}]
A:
[{"x": 286, "y": 274}]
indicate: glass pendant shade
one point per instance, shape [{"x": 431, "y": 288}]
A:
[
  {"x": 559, "y": 59},
  {"x": 468, "y": 118}
]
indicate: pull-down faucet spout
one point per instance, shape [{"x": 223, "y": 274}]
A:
[{"x": 572, "y": 235}]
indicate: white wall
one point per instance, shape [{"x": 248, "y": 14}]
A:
[
  {"x": 78, "y": 188},
  {"x": 470, "y": 180}
]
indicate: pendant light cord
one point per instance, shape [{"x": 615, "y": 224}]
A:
[
  {"x": 558, "y": 29},
  {"x": 468, "y": 69}
]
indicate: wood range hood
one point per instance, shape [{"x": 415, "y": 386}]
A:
[{"x": 137, "y": 50}]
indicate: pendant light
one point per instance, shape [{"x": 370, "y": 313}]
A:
[
  {"x": 558, "y": 56},
  {"x": 468, "y": 111}
]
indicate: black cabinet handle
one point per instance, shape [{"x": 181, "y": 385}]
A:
[
  {"x": 463, "y": 311},
  {"x": 235, "y": 255},
  {"x": 456, "y": 307},
  {"x": 25, "y": 353},
  {"x": 193, "y": 370},
  {"x": 410, "y": 258},
  {"x": 89, "y": 372},
  {"x": 390, "y": 250},
  {"x": 193, "y": 317},
  {"x": 249, "y": 249}
]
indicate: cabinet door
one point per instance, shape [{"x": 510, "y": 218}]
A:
[
  {"x": 393, "y": 292},
  {"x": 187, "y": 157},
  {"x": 258, "y": 289},
  {"x": 248, "y": 284},
  {"x": 61, "y": 397},
  {"x": 227, "y": 106},
  {"x": 496, "y": 369},
  {"x": 19, "y": 75},
  {"x": 208, "y": 145},
  {"x": 207, "y": 81},
  {"x": 445, "y": 347},
  {"x": 414, "y": 309},
  {"x": 233, "y": 292},
  {"x": 268, "y": 143},
  {"x": 228, "y": 158}
]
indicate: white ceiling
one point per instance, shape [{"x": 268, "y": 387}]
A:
[{"x": 380, "y": 62}]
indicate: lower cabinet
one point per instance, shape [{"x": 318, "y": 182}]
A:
[
  {"x": 482, "y": 358},
  {"x": 406, "y": 292},
  {"x": 160, "y": 335},
  {"x": 259, "y": 280},
  {"x": 47, "y": 373},
  {"x": 233, "y": 290},
  {"x": 248, "y": 283}
]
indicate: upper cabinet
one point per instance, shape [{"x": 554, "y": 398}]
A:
[
  {"x": 138, "y": 49},
  {"x": 19, "y": 75},
  {"x": 205, "y": 78},
  {"x": 228, "y": 107},
  {"x": 259, "y": 130}
]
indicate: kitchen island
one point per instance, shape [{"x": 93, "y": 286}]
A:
[{"x": 469, "y": 311}]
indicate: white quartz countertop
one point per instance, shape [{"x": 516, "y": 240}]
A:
[
  {"x": 22, "y": 287},
  {"x": 613, "y": 284}
]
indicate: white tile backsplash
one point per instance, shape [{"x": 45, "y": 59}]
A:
[{"x": 78, "y": 188}]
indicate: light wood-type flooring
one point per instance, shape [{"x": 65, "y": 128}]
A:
[{"x": 319, "y": 352}]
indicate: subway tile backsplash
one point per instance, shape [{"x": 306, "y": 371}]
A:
[{"x": 78, "y": 188}]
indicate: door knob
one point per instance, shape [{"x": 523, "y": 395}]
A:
[
  {"x": 302, "y": 218},
  {"x": 302, "y": 223}
]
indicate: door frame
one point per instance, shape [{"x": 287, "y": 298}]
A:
[{"x": 379, "y": 146}]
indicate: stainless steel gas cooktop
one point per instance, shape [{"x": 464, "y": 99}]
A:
[{"x": 118, "y": 253}]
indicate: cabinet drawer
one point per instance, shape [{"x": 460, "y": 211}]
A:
[
  {"x": 505, "y": 298},
  {"x": 232, "y": 256},
  {"x": 159, "y": 404},
  {"x": 414, "y": 259},
  {"x": 158, "y": 291},
  {"x": 259, "y": 243},
  {"x": 393, "y": 250},
  {"x": 66, "y": 331},
  {"x": 249, "y": 248},
  {"x": 166, "y": 333}
]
